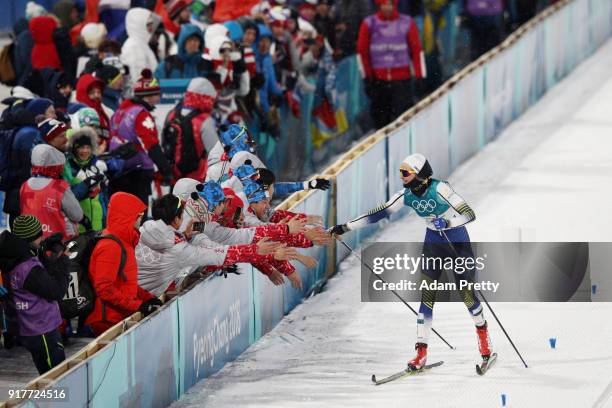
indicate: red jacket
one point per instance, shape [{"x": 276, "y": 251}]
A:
[
  {"x": 44, "y": 52},
  {"x": 117, "y": 295},
  {"x": 83, "y": 87},
  {"x": 395, "y": 74}
]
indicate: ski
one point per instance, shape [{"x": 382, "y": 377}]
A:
[
  {"x": 482, "y": 368},
  {"x": 404, "y": 373}
]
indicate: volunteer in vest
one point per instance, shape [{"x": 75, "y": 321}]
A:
[
  {"x": 47, "y": 196},
  {"x": 198, "y": 135},
  {"x": 387, "y": 46},
  {"x": 35, "y": 291},
  {"x": 133, "y": 123},
  {"x": 113, "y": 271}
]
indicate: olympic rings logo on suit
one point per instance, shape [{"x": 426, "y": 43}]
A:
[{"x": 424, "y": 205}]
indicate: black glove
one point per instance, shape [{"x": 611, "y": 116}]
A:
[
  {"x": 230, "y": 269},
  {"x": 239, "y": 66},
  {"x": 338, "y": 229},
  {"x": 258, "y": 81},
  {"x": 318, "y": 184},
  {"x": 150, "y": 306},
  {"x": 53, "y": 243}
]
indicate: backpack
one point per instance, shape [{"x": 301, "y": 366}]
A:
[
  {"x": 8, "y": 75},
  {"x": 7, "y": 167},
  {"x": 80, "y": 297},
  {"x": 179, "y": 144}
]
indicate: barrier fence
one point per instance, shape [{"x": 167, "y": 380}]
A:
[{"x": 152, "y": 362}]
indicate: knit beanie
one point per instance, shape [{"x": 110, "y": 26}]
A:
[
  {"x": 51, "y": 128},
  {"x": 146, "y": 85},
  {"x": 39, "y": 106},
  {"x": 27, "y": 227}
]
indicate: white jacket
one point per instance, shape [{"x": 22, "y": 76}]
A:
[
  {"x": 136, "y": 53},
  {"x": 163, "y": 255}
]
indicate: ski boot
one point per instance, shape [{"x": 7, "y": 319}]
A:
[
  {"x": 419, "y": 361},
  {"x": 484, "y": 342}
]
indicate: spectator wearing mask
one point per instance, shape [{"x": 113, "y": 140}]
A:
[
  {"x": 86, "y": 175},
  {"x": 164, "y": 252},
  {"x": 89, "y": 91},
  {"x": 388, "y": 44},
  {"x": 106, "y": 49},
  {"x": 47, "y": 196},
  {"x": 188, "y": 62},
  {"x": 35, "y": 291},
  {"x": 230, "y": 74},
  {"x": 199, "y": 131},
  {"x": 25, "y": 138},
  {"x": 485, "y": 20},
  {"x": 115, "y": 284},
  {"x": 91, "y": 37},
  {"x": 133, "y": 123},
  {"x": 140, "y": 25}
]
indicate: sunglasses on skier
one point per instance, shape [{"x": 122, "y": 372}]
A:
[{"x": 406, "y": 173}]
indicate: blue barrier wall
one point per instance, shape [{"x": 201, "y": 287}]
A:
[{"x": 194, "y": 335}]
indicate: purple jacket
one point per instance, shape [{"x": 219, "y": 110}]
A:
[
  {"x": 123, "y": 130},
  {"x": 35, "y": 315}
]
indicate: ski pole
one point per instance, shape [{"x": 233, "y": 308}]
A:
[
  {"x": 393, "y": 291},
  {"x": 454, "y": 250}
]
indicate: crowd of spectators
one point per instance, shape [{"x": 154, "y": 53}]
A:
[{"x": 81, "y": 151}]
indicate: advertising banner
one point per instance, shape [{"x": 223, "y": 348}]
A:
[{"x": 214, "y": 323}]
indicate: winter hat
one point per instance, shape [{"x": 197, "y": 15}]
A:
[
  {"x": 80, "y": 141},
  {"x": 234, "y": 30},
  {"x": 254, "y": 191},
  {"x": 175, "y": 7},
  {"x": 93, "y": 34},
  {"x": 85, "y": 117},
  {"x": 51, "y": 128},
  {"x": 108, "y": 74},
  {"x": 146, "y": 85},
  {"x": 39, "y": 106},
  {"x": 27, "y": 227},
  {"x": 47, "y": 161},
  {"x": 202, "y": 86},
  {"x": 34, "y": 10}
]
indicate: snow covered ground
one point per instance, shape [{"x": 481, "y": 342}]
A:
[{"x": 547, "y": 178}]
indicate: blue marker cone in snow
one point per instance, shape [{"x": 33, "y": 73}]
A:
[
  {"x": 553, "y": 342},
  {"x": 503, "y": 400},
  {"x": 593, "y": 289}
]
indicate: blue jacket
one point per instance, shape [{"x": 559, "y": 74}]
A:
[
  {"x": 266, "y": 67},
  {"x": 183, "y": 65}
]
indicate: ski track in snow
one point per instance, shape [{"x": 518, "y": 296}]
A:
[{"x": 526, "y": 185}]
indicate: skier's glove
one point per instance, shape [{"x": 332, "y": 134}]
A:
[
  {"x": 231, "y": 269},
  {"x": 3, "y": 292},
  {"x": 150, "y": 306},
  {"x": 339, "y": 229},
  {"x": 317, "y": 184},
  {"x": 439, "y": 223}
]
